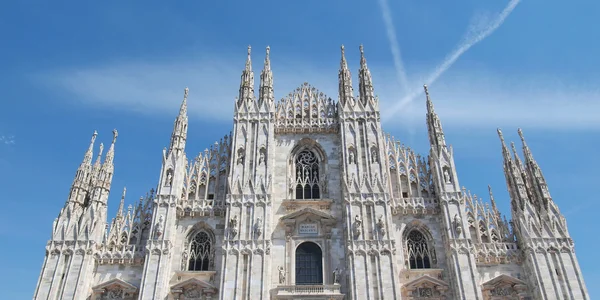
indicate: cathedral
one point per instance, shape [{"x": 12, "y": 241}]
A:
[{"x": 308, "y": 198}]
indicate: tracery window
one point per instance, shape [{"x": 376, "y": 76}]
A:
[
  {"x": 419, "y": 255},
  {"x": 307, "y": 175},
  {"x": 201, "y": 252}
]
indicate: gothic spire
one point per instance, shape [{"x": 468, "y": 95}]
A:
[
  {"x": 82, "y": 176},
  {"x": 120, "y": 211},
  {"x": 514, "y": 181},
  {"x": 266, "y": 80},
  {"x": 110, "y": 155},
  {"x": 87, "y": 158},
  {"x": 345, "y": 81},
  {"x": 183, "y": 107},
  {"x": 434, "y": 126},
  {"x": 365, "y": 84},
  {"x": 534, "y": 172},
  {"x": 247, "y": 81},
  {"x": 179, "y": 135}
]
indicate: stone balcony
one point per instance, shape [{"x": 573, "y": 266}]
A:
[
  {"x": 415, "y": 206},
  {"x": 329, "y": 292}
]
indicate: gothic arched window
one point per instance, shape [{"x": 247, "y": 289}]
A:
[
  {"x": 307, "y": 175},
  {"x": 201, "y": 252},
  {"x": 419, "y": 255},
  {"x": 309, "y": 264}
]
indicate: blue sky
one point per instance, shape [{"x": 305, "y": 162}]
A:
[{"x": 69, "y": 68}]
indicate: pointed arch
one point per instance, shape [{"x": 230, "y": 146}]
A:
[
  {"x": 200, "y": 248},
  {"x": 418, "y": 247},
  {"x": 308, "y": 166}
]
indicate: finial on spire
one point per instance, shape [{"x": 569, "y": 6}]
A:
[
  {"x": 342, "y": 49},
  {"x": 521, "y": 135},
  {"x": 101, "y": 149},
  {"x": 268, "y": 50},
  {"x": 249, "y": 50},
  {"x": 185, "y": 92},
  {"x": 500, "y": 135},
  {"x": 514, "y": 149},
  {"x": 362, "y": 50},
  {"x": 94, "y": 135},
  {"x": 426, "y": 90}
]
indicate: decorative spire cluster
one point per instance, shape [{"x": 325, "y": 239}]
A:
[
  {"x": 129, "y": 228},
  {"x": 525, "y": 182},
  {"x": 88, "y": 177}
]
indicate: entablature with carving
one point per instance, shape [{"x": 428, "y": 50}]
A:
[{"x": 295, "y": 204}]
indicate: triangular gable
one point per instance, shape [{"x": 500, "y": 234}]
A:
[
  {"x": 503, "y": 279},
  {"x": 126, "y": 286},
  {"x": 308, "y": 210},
  {"x": 425, "y": 279},
  {"x": 193, "y": 281}
]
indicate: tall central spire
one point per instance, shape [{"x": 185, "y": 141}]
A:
[
  {"x": 434, "y": 126},
  {"x": 179, "y": 135},
  {"x": 345, "y": 81},
  {"x": 247, "y": 81}
]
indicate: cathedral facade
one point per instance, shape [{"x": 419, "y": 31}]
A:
[{"x": 308, "y": 198}]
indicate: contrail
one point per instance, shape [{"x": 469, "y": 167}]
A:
[
  {"x": 391, "y": 35},
  {"x": 469, "y": 42}
]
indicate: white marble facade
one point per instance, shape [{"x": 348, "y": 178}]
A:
[{"x": 307, "y": 198}]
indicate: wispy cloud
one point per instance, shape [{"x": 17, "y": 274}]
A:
[
  {"x": 7, "y": 140},
  {"x": 471, "y": 98},
  {"x": 476, "y": 33},
  {"x": 394, "y": 45}
]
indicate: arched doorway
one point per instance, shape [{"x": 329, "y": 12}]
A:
[{"x": 309, "y": 264}]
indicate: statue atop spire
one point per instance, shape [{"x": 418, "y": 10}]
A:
[{"x": 115, "y": 135}]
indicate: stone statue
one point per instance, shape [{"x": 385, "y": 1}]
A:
[
  {"x": 446, "y": 176},
  {"x": 240, "y": 160},
  {"x": 261, "y": 159},
  {"x": 258, "y": 227},
  {"x": 169, "y": 178},
  {"x": 233, "y": 226},
  {"x": 351, "y": 157},
  {"x": 458, "y": 224},
  {"x": 159, "y": 226},
  {"x": 374, "y": 155},
  {"x": 381, "y": 225},
  {"x": 336, "y": 276},
  {"x": 357, "y": 225},
  {"x": 357, "y": 220},
  {"x": 281, "y": 275}
]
